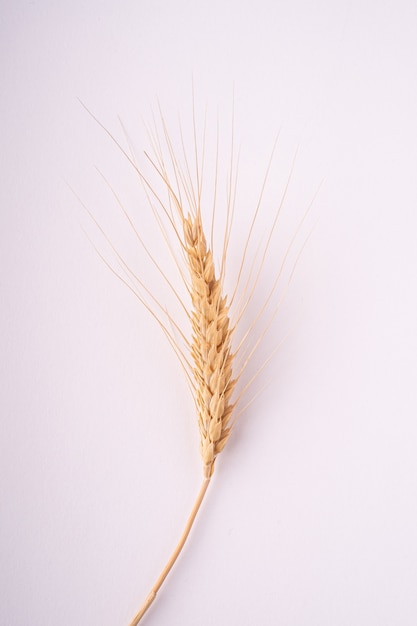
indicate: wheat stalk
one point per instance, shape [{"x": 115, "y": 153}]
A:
[
  {"x": 213, "y": 360},
  {"x": 208, "y": 359}
]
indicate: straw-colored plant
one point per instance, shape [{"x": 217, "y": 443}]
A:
[{"x": 214, "y": 359}]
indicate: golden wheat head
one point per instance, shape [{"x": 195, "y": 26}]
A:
[
  {"x": 211, "y": 345},
  {"x": 208, "y": 359}
]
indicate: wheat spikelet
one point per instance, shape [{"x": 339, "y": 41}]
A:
[{"x": 211, "y": 347}]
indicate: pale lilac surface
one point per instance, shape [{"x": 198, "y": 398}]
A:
[{"x": 312, "y": 516}]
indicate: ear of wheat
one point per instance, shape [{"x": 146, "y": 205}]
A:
[
  {"x": 211, "y": 347},
  {"x": 212, "y": 369},
  {"x": 208, "y": 358}
]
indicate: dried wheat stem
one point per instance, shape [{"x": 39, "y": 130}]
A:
[
  {"x": 212, "y": 356},
  {"x": 152, "y": 595}
]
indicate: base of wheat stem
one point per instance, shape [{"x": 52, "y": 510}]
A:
[{"x": 152, "y": 595}]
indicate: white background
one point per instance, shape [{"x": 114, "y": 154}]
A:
[{"x": 311, "y": 518}]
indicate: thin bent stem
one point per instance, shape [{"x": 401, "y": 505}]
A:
[{"x": 152, "y": 595}]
